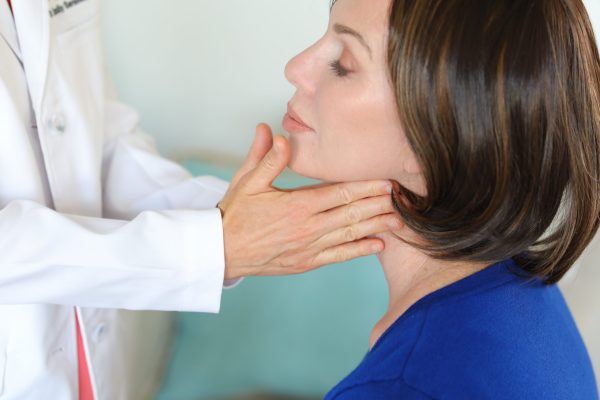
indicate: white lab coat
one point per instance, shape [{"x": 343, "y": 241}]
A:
[{"x": 90, "y": 215}]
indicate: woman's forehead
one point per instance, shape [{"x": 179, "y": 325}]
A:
[
  {"x": 367, "y": 17},
  {"x": 367, "y": 11}
]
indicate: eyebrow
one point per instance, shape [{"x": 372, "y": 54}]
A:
[{"x": 346, "y": 30}]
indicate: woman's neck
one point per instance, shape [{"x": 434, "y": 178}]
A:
[{"x": 411, "y": 275}]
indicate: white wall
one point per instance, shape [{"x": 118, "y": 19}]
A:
[{"x": 202, "y": 73}]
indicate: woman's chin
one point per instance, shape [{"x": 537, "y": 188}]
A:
[{"x": 304, "y": 168}]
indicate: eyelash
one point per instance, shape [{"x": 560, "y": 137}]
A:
[{"x": 338, "y": 69}]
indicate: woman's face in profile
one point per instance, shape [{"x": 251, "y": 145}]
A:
[{"x": 343, "y": 120}]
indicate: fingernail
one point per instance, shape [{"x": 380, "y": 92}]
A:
[
  {"x": 388, "y": 187},
  {"x": 277, "y": 147}
]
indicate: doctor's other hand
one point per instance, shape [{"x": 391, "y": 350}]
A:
[{"x": 268, "y": 231}]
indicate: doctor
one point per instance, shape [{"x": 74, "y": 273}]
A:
[{"x": 92, "y": 219}]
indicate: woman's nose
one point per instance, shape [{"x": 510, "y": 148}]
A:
[{"x": 300, "y": 71}]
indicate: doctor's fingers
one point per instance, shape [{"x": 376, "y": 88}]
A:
[
  {"x": 356, "y": 212},
  {"x": 325, "y": 198},
  {"x": 262, "y": 143},
  {"x": 345, "y": 252},
  {"x": 352, "y": 233}
]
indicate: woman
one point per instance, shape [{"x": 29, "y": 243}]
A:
[{"x": 487, "y": 113}]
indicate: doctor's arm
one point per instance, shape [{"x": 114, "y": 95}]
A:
[
  {"x": 138, "y": 256},
  {"x": 159, "y": 260},
  {"x": 149, "y": 263}
]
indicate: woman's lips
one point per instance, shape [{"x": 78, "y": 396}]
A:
[{"x": 293, "y": 123}]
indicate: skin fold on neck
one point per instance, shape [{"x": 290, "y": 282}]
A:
[{"x": 411, "y": 275}]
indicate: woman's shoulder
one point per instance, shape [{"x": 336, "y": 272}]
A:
[
  {"x": 494, "y": 335},
  {"x": 514, "y": 340}
]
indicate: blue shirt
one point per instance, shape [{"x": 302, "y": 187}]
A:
[{"x": 491, "y": 335}]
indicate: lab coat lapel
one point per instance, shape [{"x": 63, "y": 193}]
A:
[
  {"x": 7, "y": 29},
  {"x": 32, "y": 27}
]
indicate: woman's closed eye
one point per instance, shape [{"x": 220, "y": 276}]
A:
[{"x": 338, "y": 69}]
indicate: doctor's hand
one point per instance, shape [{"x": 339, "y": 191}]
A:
[{"x": 268, "y": 231}]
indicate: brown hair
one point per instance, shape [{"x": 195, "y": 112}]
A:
[{"x": 500, "y": 101}]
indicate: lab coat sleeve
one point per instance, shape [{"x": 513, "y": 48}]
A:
[
  {"x": 156, "y": 261},
  {"x": 158, "y": 244}
]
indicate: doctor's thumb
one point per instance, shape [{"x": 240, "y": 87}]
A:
[
  {"x": 271, "y": 166},
  {"x": 263, "y": 142}
]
